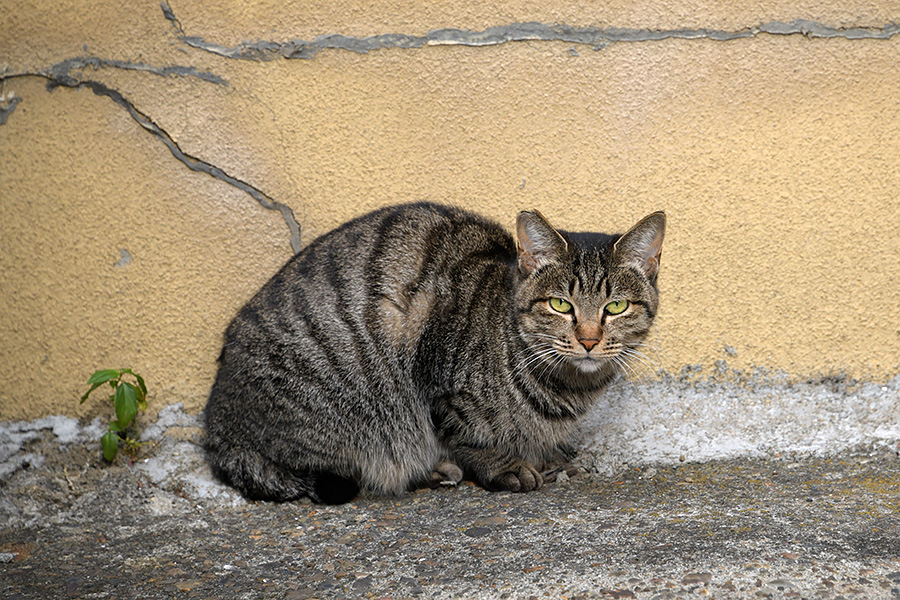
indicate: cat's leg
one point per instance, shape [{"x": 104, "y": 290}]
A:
[
  {"x": 497, "y": 472},
  {"x": 445, "y": 472},
  {"x": 259, "y": 478},
  {"x": 255, "y": 476}
]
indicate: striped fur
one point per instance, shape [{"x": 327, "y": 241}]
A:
[{"x": 417, "y": 342}]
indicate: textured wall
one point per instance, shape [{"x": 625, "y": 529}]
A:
[{"x": 159, "y": 162}]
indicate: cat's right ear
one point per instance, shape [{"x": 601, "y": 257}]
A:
[{"x": 539, "y": 243}]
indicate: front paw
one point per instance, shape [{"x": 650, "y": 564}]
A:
[
  {"x": 445, "y": 473},
  {"x": 521, "y": 477}
]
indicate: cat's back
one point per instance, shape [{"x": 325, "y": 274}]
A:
[
  {"x": 400, "y": 244},
  {"x": 399, "y": 255},
  {"x": 361, "y": 294}
]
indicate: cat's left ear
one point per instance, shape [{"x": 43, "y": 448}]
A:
[
  {"x": 642, "y": 245},
  {"x": 539, "y": 243}
]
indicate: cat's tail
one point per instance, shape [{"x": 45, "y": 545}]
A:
[{"x": 258, "y": 478}]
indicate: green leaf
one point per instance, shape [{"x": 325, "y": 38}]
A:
[
  {"x": 126, "y": 404},
  {"x": 110, "y": 443},
  {"x": 139, "y": 393},
  {"x": 88, "y": 393},
  {"x": 141, "y": 384},
  {"x": 140, "y": 380},
  {"x": 114, "y": 426},
  {"x": 103, "y": 376}
]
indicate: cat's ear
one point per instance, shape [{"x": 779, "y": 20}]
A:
[
  {"x": 642, "y": 245},
  {"x": 539, "y": 243}
]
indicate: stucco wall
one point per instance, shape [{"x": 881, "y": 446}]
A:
[{"x": 156, "y": 168}]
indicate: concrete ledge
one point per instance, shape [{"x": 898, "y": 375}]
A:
[
  {"x": 734, "y": 415},
  {"x": 809, "y": 526}
]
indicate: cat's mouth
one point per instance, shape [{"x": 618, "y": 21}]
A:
[
  {"x": 604, "y": 352},
  {"x": 589, "y": 362}
]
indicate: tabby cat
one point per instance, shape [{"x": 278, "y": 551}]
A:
[{"x": 419, "y": 343}]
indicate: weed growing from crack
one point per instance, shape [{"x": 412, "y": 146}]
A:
[{"x": 127, "y": 398}]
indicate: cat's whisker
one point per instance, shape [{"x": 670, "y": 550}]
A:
[
  {"x": 646, "y": 350},
  {"x": 552, "y": 339},
  {"x": 530, "y": 360},
  {"x": 645, "y": 344},
  {"x": 624, "y": 369},
  {"x": 645, "y": 361},
  {"x": 636, "y": 359},
  {"x": 551, "y": 366},
  {"x": 634, "y": 379},
  {"x": 608, "y": 352},
  {"x": 540, "y": 352},
  {"x": 651, "y": 348},
  {"x": 635, "y": 375},
  {"x": 547, "y": 365},
  {"x": 560, "y": 360}
]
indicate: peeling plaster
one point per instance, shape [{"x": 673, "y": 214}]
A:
[
  {"x": 8, "y": 103},
  {"x": 125, "y": 258},
  {"x": 59, "y": 75},
  {"x": 61, "y": 70},
  {"x": 598, "y": 38}
]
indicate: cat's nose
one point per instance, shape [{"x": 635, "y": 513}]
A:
[{"x": 588, "y": 343}]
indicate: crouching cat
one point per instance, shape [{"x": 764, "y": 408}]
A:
[{"x": 421, "y": 342}]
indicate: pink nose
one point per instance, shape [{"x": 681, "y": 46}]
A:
[{"x": 589, "y": 343}]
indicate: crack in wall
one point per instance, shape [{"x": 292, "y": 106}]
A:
[
  {"x": 62, "y": 71},
  {"x": 598, "y": 38},
  {"x": 60, "y": 76}
]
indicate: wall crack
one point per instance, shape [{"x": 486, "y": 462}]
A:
[
  {"x": 59, "y": 76},
  {"x": 598, "y": 38},
  {"x": 62, "y": 71}
]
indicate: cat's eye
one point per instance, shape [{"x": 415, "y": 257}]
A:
[
  {"x": 616, "y": 307},
  {"x": 560, "y": 305}
]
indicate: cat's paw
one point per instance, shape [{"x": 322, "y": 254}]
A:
[
  {"x": 445, "y": 473},
  {"x": 521, "y": 477}
]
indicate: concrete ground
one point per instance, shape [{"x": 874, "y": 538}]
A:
[{"x": 684, "y": 489}]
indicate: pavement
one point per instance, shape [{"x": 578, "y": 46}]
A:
[{"x": 717, "y": 488}]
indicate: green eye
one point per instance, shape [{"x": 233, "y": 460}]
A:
[
  {"x": 560, "y": 305},
  {"x": 616, "y": 308}
]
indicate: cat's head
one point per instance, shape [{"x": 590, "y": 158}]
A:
[{"x": 586, "y": 301}]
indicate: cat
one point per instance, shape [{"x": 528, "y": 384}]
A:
[{"x": 421, "y": 343}]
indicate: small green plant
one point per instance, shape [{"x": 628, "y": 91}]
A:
[{"x": 127, "y": 398}]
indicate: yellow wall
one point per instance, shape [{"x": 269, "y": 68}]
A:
[{"x": 770, "y": 134}]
